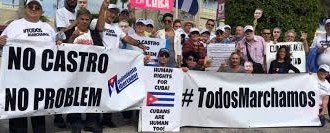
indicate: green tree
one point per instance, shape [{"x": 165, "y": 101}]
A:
[{"x": 301, "y": 15}]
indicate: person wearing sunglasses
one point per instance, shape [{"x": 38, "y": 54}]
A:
[
  {"x": 210, "y": 24},
  {"x": 29, "y": 28},
  {"x": 163, "y": 58},
  {"x": 173, "y": 40},
  {"x": 267, "y": 35},
  {"x": 220, "y": 36},
  {"x": 194, "y": 45},
  {"x": 190, "y": 62}
]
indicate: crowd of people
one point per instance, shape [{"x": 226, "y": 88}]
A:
[{"x": 186, "y": 48}]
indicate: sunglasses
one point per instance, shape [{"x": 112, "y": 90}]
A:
[
  {"x": 191, "y": 59},
  {"x": 164, "y": 55},
  {"x": 124, "y": 26},
  {"x": 167, "y": 21},
  {"x": 34, "y": 7},
  {"x": 276, "y": 32}
]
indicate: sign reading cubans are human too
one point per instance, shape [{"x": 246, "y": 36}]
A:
[{"x": 40, "y": 78}]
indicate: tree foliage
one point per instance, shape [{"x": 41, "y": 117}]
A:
[{"x": 301, "y": 15}]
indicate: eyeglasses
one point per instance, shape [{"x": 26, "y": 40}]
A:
[
  {"x": 211, "y": 25},
  {"x": 191, "y": 59},
  {"x": 164, "y": 55},
  {"x": 167, "y": 21},
  {"x": 34, "y": 7},
  {"x": 276, "y": 32}
]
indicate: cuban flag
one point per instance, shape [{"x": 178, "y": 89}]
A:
[
  {"x": 160, "y": 99},
  {"x": 190, "y": 6}
]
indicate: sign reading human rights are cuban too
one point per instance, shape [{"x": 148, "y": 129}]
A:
[{"x": 41, "y": 78}]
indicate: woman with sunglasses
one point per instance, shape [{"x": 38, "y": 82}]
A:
[
  {"x": 190, "y": 62},
  {"x": 173, "y": 40},
  {"x": 29, "y": 28}
]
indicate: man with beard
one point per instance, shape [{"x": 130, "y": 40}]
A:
[{"x": 66, "y": 16}]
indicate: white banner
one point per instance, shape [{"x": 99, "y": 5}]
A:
[
  {"x": 247, "y": 100},
  {"x": 153, "y": 47},
  {"x": 218, "y": 53},
  {"x": 161, "y": 111},
  {"x": 297, "y": 54},
  {"x": 42, "y": 79}
]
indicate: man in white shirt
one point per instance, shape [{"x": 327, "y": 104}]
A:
[
  {"x": 66, "y": 16},
  {"x": 322, "y": 42},
  {"x": 110, "y": 32},
  {"x": 32, "y": 29}
]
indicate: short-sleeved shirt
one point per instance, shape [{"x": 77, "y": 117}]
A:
[
  {"x": 85, "y": 39},
  {"x": 64, "y": 17},
  {"x": 256, "y": 49},
  {"x": 111, "y": 35},
  {"x": 324, "y": 90},
  {"x": 25, "y": 30},
  {"x": 323, "y": 39}
]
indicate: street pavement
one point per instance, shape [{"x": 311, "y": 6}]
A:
[{"x": 131, "y": 127}]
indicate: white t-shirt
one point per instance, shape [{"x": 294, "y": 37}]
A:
[
  {"x": 85, "y": 39},
  {"x": 64, "y": 17},
  {"x": 324, "y": 89},
  {"x": 25, "y": 30},
  {"x": 111, "y": 35},
  {"x": 323, "y": 58}
]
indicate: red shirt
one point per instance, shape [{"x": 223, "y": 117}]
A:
[{"x": 196, "y": 47}]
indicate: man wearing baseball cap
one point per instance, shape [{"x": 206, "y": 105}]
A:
[
  {"x": 324, "y": 91},
  {"x": 21, "y": 29},
  {"x": 220, "y": 36},
  {"x": 253, "y": 49},
  {"x": 110, "y": 32}
]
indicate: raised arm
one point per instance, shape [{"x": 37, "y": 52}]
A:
[{"x": 101, "y": 19}]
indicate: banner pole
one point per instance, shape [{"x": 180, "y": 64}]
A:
[{"x": 177, "y": 9}]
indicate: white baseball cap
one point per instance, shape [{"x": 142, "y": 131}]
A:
[
  {"x": 113, "y": 6},
  {"x": 220, "y": 28},
  {"x": 205, "y": 30},
  {"x": 327, "y": 21},
  {"x": 38, "y": 2},
  {"x": 227, "y": 26},
  {"x": 324, "y": 67},
  {"x": 150, "y": 21},
  {"x": 193, "y": 30},
  {"x": 248, "y": 27},
  {"x": 141, "y": 20}
]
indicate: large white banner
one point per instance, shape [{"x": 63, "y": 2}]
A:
[
  {"x": 247, "y": 100},
  {"x": 297, "y": 54},
  {"x": 153, "y": 46},
  {"x": 161, "y": 111},
  {"x": 40, "y": 78},
  {"x": 218, "y": 53}
]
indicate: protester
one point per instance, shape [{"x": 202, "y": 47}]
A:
[
  {"x": 150, "y": 32},
  {"x": 322, "y": 42},
  {"x": 239, "y": 34},
  {"x": 177, "y": 24},
  {"x": 111, "y": 33},
  {"x": 23, "y": 29},
  {"x": 82, "y": 35},
  {"x": 186, "y": 27},
  {"x": 190, "y": 62},
  {"x": 282, "y": 63},
  {"x": 82, "y": 4},
  {"x": 65, "y": 16},
  {"x": 253, "y": 49},
  {"x": 210, "y": 24},
  {"x": 140, "y": 29},
  {"x": 290, "y": 36},
  {"x": 228, "y": 32},
  {"x": 235, "y": 65},
  {"x": 173, "y": 40},
  {"x": 220, "y": 36},
  {"x": 193, "y": 45},
  {"x": 324, "y": 91},
  {"x": 163, "y": 58},
  {"x": 124, "y": 15},
  {"x": 248, "y": 67},
  {"x": 277, "y": 35},
  {"x": 205, "y": 37},
  {"x": 267, "y": 35}
]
